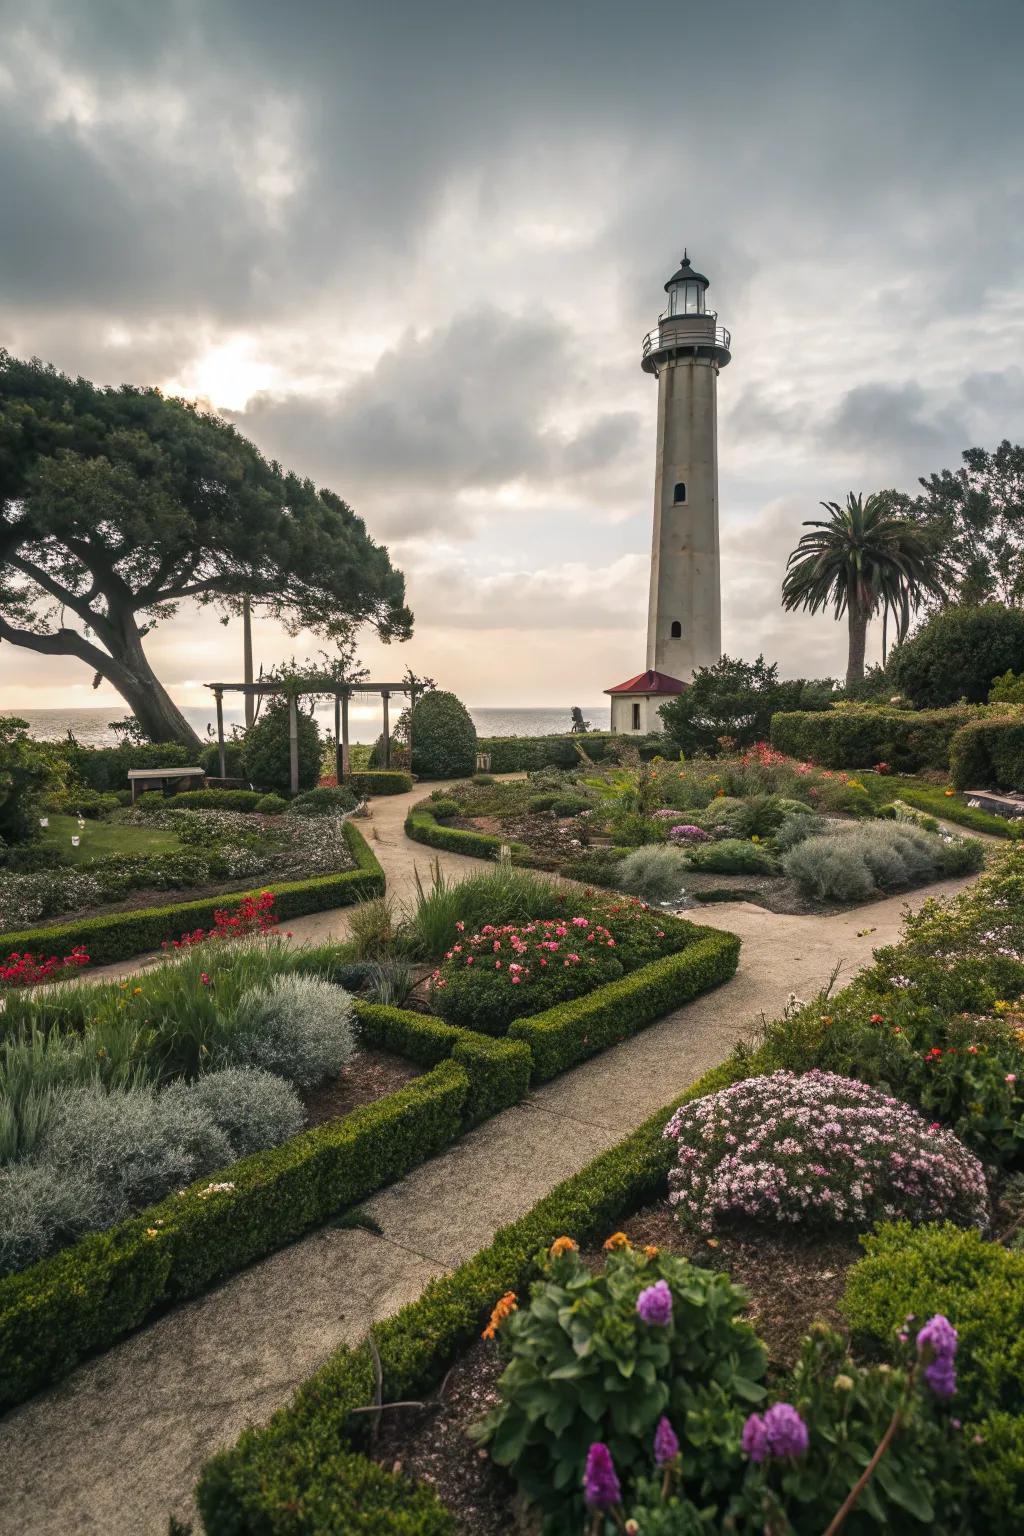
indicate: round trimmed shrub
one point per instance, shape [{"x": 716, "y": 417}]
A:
[
  {"x": 561, "y": 802},
  {"x": 654, "y": 874},
  {"x": 957, "y": 654},
  {"x": 266, "y": 750},
  {"x": 443, "y": 737},
  {"x": 324, "y": 800},
  {"x": 443, "y": 807},
  {"x": 817, "y": 1149},
  {"x": 272, "y": 805},
  {"x": 732, "y": 856},
  {"x": 300, "y": 1028},
  {"x": 254, "y": 1109}
]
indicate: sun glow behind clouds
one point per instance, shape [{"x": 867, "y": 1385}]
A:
[{"x": 226, "y": 375}]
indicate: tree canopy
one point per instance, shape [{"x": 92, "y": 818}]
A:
[
  {"x": 733, "y": 702},
  {"x": 117, "y": 504}
]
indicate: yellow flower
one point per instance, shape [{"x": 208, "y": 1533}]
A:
[
  {"x": 843, "y": 1383},
  {"x": 1002, "y": 1006},
  {"x": 949, "y": 793},
  {"x": 563, "y": 1245},
  {"x": 502, "y": 1309},
  {"x": 151, "y": 1232},
  {"x": 651, "y": 1252},
  {"x": 136, "y": 991},
  {"x": 617, "y": 1240}
]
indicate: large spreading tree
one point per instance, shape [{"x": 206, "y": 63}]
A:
[
  {"x": 118, "y": 504},
  {"x": 975, "y": 514}
]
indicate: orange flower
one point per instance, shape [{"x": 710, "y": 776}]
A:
[
  {"x": 617, "y": 1240},
  {"x": 563, "y": 1245},
  {"x": 651, "y": 1252},
  {"x": 503, "y": 1309}
]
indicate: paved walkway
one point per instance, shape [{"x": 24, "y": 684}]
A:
[{"x": 117, "y": 1446}]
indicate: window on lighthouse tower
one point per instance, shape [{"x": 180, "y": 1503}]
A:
[
  {"x": 677, "y": 630},
  {"x": 679, "y": 494}
]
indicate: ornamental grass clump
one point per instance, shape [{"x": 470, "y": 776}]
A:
[
  {"x": 819, "y": 1150},
  {"x": 503, "y": 973}
]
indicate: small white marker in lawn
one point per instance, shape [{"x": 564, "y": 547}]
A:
[
  {"x": 75, "y": 842},
  {"x": 44, "y": 821}
]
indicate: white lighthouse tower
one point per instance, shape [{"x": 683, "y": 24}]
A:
[{"x": 684, "y": 616}]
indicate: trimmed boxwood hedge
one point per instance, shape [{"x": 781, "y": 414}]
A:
[
  {"x": 570, "y": 1032},
  {"x": 282, "y": 1478},
  {"x": 91, "y": 1293},
  {"x": 908, "y": 740},
  {"x": 380, "y": 781},
  {"x": 120, "y": 935},
  {"x": 423, "y": 827},
  {"x": 988, "y": 753}
]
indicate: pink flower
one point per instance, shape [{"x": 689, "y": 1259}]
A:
[{"x": 1011, "y": 1077}]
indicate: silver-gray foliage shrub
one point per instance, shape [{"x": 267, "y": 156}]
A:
[
  {"x": 852, "y": 862},
  {"x": 299, "y": 1027},
  {"x": 253, "y": 1109},
  {"x": 654, "y": 874},
  {"x": 41, "y": 1208},
  {"x": 797, "y": 828}
]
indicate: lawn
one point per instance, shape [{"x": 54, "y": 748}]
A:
[{"x": 100, "y": 839}]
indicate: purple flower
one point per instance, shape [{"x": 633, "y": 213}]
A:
[
  {"x": 655, "y": 1305},
  {"x": 666, "y": 1443},
  {"x": 786, "y": 1430},
  {"x": 936, "y": 1346},
  {"x": 600, "y": 1483},
  {"x": 754, "y": 1439}
]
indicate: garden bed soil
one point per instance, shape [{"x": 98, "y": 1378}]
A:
[
  {"x": 369, "y": 1076},
  {"x": 793, "y": 1278}
]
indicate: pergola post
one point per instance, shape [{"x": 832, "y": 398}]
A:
[
  {"x": 412, "y": 706},
  {"x": 338, "y": 774},
  {"x": 293, "y": 741},
  {"x": 385, "y": 696},
  {"x": 219, "y": 694},
  {"x": 345, "y": 760}
]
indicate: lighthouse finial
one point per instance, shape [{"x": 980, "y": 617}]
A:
[{"x": 685, "y": 256}]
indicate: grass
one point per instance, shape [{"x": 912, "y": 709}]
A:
[
  {"x": 933, "y": 799},
  {"x": 100, "y": 839}
]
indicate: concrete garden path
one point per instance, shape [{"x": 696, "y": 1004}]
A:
[{"x": 117, "y": 1446}]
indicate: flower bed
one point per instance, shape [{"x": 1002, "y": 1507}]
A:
[
  {"x": 120, "y": 935},
  {"x": 285, "y": 1476}
]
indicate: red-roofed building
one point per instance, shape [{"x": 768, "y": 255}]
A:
[{"x": 635, "y": 703}]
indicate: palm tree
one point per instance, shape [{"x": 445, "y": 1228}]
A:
[{"x": 862, "y": 558}]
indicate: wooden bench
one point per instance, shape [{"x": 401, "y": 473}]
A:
[{"x": 162, "y": 776}]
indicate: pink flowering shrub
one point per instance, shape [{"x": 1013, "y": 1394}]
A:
[
  {"x": 819, "y": 1149},
  {"x": 489, "y": 978},
  {"x": 687, "y": 836}
]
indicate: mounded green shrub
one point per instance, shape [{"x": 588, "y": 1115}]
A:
[
  {"x": 234, "y": 759},
  {"x": 988, "y": 754},
  {"x": 266, "y": 750},
  {"x": 859, "y": 736},
  {"x": 422, "y": 826},
  {"x": 216, "y": 800},
  {"x": 120, "y": 935},
  {"x": 443, "y": 737},
  {"x": 324, "y": 800},
  {"x": 444, "y": 807},
  {"x": 89, "y": 1295},
  {"x": 271, "y": 805},
  {"x": 732, "y": 856},
  {"x": 380, "y": 781},
  {"x": 957, "y": 654},
  {"x": 106, "y": 768}
]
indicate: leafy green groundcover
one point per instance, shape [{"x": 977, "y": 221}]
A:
[
  {"x": 87, "y": 1296},
  {"x": 280, "y": 1479},
  {"x": 120, "y": 935}
]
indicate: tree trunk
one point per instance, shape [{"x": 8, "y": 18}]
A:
[
  {"x": 857, "y": 620},
  {"x": 155, "y": 710}
]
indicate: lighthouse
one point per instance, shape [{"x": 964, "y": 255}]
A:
[{"x": 684, "y": 617}]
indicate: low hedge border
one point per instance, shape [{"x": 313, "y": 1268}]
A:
[
  {"x": 423, "y": 827},
  {"x": 293, "y": 1477},
  {"x": 120, "y": 935},
  {"x": 92, "y": 1293},
  {"x": 908, "y": 739},
  {"x": 380, "y": 781},
  {"x": 561, "y": 1036}
]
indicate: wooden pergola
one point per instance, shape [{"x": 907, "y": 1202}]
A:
[{"x": 319, "y": 687}]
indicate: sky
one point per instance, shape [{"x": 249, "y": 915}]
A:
[{"x": 412, "y": 250}]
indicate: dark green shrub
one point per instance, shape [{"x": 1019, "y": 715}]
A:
[
  {"x": 732, "y": 856},
  {"x": 736, "y": 700},
  {"x": 267, "y": 752},
  {"x": 234, "y": 759},
  {"x": 482, "y": 779},
  {"x": 443, "y": 807},
  {"x": 383, "y": 781},
  {"x": 443, "y": 737},
  {"x": 957, "y": 654},
  {"x": 271, "y": 805},
  {"x": 25, "y": 775},
  {"x": 324, "y": 800},
  {"x": 561, "y": 802},
  {"x": 858, "y": 736},
  {"x": 106, "y": 768},
  {"x": 216, "y": 800},
  {"x": 988, "y": 754}
]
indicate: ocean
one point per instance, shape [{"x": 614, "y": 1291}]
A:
[{"x": 91, "y": 727}]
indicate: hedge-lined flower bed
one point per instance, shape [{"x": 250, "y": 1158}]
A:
[
  {"x": 120, "y": 935},
  {"x": 284, "y": 1477}
]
